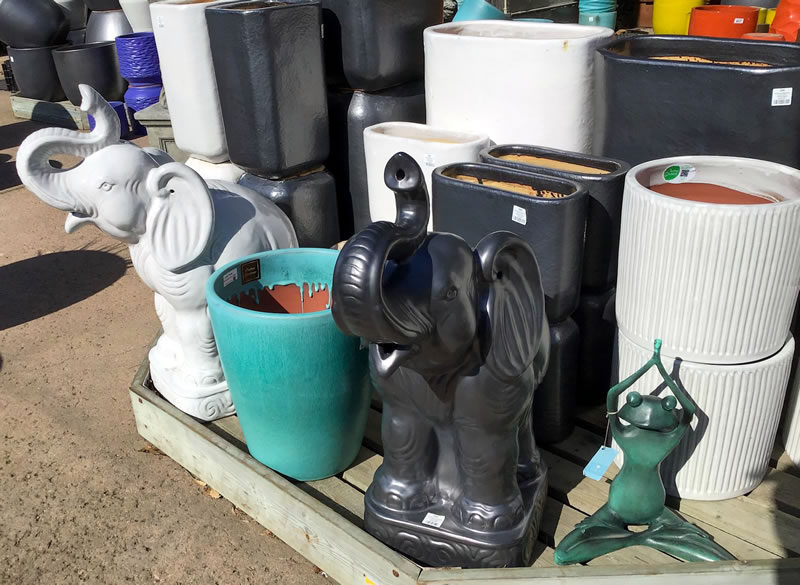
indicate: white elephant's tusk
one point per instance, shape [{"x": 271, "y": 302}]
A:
[{"x": 75, "y": 221}]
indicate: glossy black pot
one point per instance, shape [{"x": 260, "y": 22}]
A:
[
  {"x": 94, "y": 64},
  {"x": 554, "y": 227},
  {"x": 603, "y": 178},
  {"x": 375, "y": 44},
  {"x": 309, "y": 200},
  {"x": 597, "y": 323},
  {"x": 652, "y": 108},
  {"x": 103, "y": 5},
  {"x": 35, "y": 73},
  {"x": 554, "y": 400},
  {"x": 26, "y": 24},
  {"x": 271, "y": 83}
]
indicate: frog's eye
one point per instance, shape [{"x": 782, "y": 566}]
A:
[
  {"x": 669, "y": 403},
  {"x": 634, "y": 399}
]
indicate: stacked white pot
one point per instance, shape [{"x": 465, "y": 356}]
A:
[
  {"x": 187, "y": 71},
  {"x": 431, "y": 147},
  {"x": 718, "y": 284},
  {"x": 517, "y": 82}
]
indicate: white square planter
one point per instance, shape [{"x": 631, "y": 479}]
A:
[
  {"x": 188, "y": 73},
  {"x": 431, "y": 147},
  {"x": 518, "y": 82}
]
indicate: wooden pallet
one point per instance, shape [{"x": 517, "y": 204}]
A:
[
  {"x": 323, "y": 520},
  {"x": 62, "y": 114}
]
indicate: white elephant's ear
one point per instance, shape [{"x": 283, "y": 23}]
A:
[{"x": 180, "y": 219}]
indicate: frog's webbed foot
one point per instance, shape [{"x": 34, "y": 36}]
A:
[
  {"x": 595, "y": 536},
  {"x": 671, "y": 534}
]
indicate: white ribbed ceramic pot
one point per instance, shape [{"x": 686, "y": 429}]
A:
[
  {"x": 791, "y": 422},
  {"x": 224, "y": 171},
  {"x": 726, "y": 451},
  {"x": 188, "y": 74},
  {"x": 517, "y": 82},
  {"x": 138, "y": 13},
  {"x": 717, "y": 283},
  {"x": 431, "y": 147}
]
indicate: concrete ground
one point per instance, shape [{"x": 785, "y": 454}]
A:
[{"x": 82, "y": 497}]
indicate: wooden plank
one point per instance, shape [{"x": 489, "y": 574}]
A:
[
  {"x": 778, "y": 490},
  {"x": 763, "y": 572},
  {"x": 345, "y": 552},
  {"x": 62, "y": 114},
  {"x": 781, "y": 461}
]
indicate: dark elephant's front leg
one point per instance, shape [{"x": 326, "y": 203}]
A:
[{"x": 529, "y": 467}]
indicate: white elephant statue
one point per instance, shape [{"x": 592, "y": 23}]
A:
[{"x": 178, "y": 228}]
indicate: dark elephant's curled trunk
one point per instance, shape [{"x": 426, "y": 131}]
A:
[{"x": 358, "y": 305}]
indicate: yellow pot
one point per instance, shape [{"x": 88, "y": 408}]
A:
[
  {"x": 671, "y": 17},
  {"x": 770, "y": 15}
]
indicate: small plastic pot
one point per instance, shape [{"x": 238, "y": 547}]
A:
[
  {"x": 723, "y": 21},
  {"x": 35, "y": 73},
  {"x": 138, "y": 58},
  {"x": 94, "y": 64}
]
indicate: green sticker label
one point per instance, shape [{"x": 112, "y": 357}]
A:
[{"x": 671, "y": 173}]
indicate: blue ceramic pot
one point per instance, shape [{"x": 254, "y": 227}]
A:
[
  {"x": 138, "y": 58},
  {"x": 138, "y": 97},
  {"x": 299, "y": 385}
]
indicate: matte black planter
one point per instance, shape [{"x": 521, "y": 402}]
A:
[
  {"x": 35, "y": 73},
  {"x": 271, "y": 82},
  {"x": 308, "y": 199},
  {"x": 554, "y": 399},
  {"x": 554, "y": 227},
  {"x": 26, "y": 24},
  {"x": 375, "y": 44},
  {"x": 605, "y": 200},
  {"x": 102, "y": 5},
  {"x": 653, "y": 108},
  {"x": 94, "y": 64},
  {"x": 597, "y": 323}
]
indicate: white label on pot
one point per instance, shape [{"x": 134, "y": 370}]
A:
[
  {"x": 679, "y": 173},
  {"x": 433, "y": 520},
  {"x": 230, "y": 276},
  {"x": 159, "y": 22},
  {"x": 782, "y": 96},
  {"x": 11, "y": 58},
  {"x": 738, "y": 21},
  {"x": 430, "y": 160},
  {"x": 519, "y": 215}
]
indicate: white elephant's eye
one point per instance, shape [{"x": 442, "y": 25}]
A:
[{"x": 106, "y": 186}]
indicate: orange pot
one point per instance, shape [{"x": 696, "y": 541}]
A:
[
  {"x": 757, "y": 36},
  {"x": 723, "y": 21},
  {"x": 787, "y": 19}
]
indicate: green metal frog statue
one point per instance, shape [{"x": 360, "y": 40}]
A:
[{"x": 653, "y": 429}]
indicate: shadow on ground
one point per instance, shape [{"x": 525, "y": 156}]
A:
[
  {"x": 8, "y": 173},
  {"x": 12, "y": 135},
  {"x": 41, "y": 285}
]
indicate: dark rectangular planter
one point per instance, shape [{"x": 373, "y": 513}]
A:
[
  {"x": 375, "y": 44},
  {"x": 605, "y": 202},
  {"x": 270, "y": 78},
  {"x": 597, "y": 323},
  {"x": 308, "y": 199},
  {"x": 554, "y": 398},
  {"x": 554, "y": 228},
  {"x": 651, "y": 108}
]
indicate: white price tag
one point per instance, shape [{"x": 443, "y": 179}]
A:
[
  {"x": 738, "y": 21},
  {"x": 433, "y": 520},
  {"x": 230, "y": 276},
  {"x": 782, "y": 96},
  {"x": 430, "y": 160},
  {"x": 519, "y": 215}
]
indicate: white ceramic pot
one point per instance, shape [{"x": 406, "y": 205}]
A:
[
  {"x": 726, "y": 451},
  {"x": 517, "y": 82},
  {"x": 76, "y": 13},
  {"x": 138, "y": 13},
  {"x": 791, "y": 421},
  {"x": 718, "y": 283},
  {"x": 224, "y": 171},
  {"x": 431, "y": 147},
  {"x": 188, "y": 73}
]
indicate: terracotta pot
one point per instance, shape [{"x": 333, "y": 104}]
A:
[
  {"x": 187, "y": 70},
  {"x": 107, "y": 26},
  {"x": 555, "y": 397},
  {"x": 94, "y": 64},
  {"x": 35, "y": 73},
  {"x": 268, "y": 64},
  {"x": 716, "y": 282},
  {"x": 603, "y": 178},
  {"x": 638, "y": 91},
  {"x": 554, "y": 227},
  {"x": 723, "y": 21},
  {"x": 597, "y": 323},
  {"x": 544, "y": 97},
  {"x": 309, "y": 200},
  {"x": 726, "y": 451},
  {"x": 27, "y": 24},
  {"x": 372, "y": 45},
  {"x": 431, "y": 147},
  {"x": 785, "y": 19}
]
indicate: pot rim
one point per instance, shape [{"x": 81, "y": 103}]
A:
[
  {"x": 632, "y": 181},
  {"x": 234, "y": 7},
  {"x": 213, "y": 298},
  {"x": 727, "y": 8},
  {"x": 51, "y": 47},
  {"x": 617, "y": 167},
  {"x": 425, "y": 132},
  {"x": 96, "y": 45},
  {"x": 136, "y": 35},
  {"x": 187, "y": 4},
  {"x": 550, "y": 32},
  {"x": 524, "y": 177}
]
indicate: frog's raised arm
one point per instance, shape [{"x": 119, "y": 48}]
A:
[
  {"x": 688, "y": 408},
  {"x": 614, "y": 393}
]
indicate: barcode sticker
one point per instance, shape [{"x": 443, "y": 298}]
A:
[
  {"x": 738, "y": 21},
  {"x": 433, "y": 520},
  {"x": 782, "y": 96},
  {"x": 230, "y": 276},
  {"x": 519, "y": 215}
]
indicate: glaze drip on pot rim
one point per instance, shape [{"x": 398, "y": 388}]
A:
[
  {"x": 518, "y": 188},
  {"x": 552, "y": 163},
  {"x": 710, "y": 193},
  {"x": 284, "y": 298}
]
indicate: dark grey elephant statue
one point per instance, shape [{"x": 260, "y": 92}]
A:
[{"x": 459, "y": 340}]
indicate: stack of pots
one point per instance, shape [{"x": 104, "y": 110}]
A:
[
  {"x": 710, "y": 262},
  {"x": 32, "y": 29},
  {"x": 270, "y": 76},
  {"x": 106, "y": 22},
  {"x": 374, "y": 68},
  {"x": 139, "y": 65},
  {"x": 190, "y": 84},
  {"x": 604, "y": 180},
  {"x": 76, "y": 14}
]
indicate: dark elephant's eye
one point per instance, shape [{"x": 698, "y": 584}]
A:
[{"x": 451, "y": 293}]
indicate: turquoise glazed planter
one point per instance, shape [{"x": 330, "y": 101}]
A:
[
  {"x": 300, "y": 386},
  {"x": 478, "y": 10}
]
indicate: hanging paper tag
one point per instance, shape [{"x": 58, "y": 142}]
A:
[{"x": 601, "y": 461}]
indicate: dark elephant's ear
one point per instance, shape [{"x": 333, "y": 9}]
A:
[{"x": 514, "y": 304}]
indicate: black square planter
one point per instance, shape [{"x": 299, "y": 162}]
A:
[
  {"x": 605, "y": 200},
  {"x": 554, "y": 227},
  {"x": 597, "y": 323},
  {"x": 375, "y": 44},
  {"x": 271, "y": 83}
]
